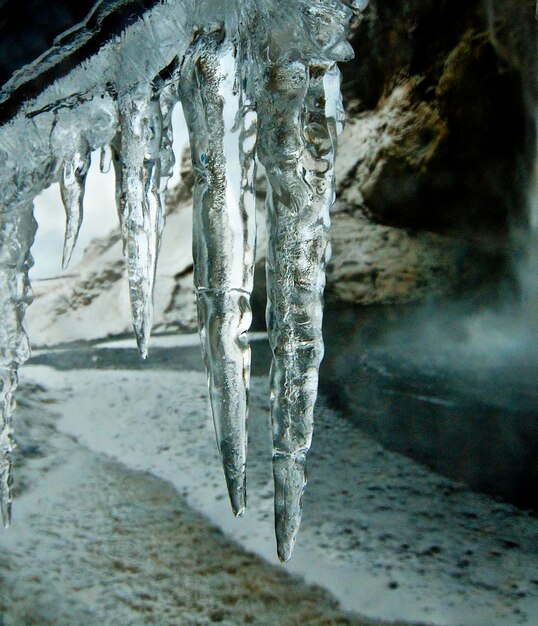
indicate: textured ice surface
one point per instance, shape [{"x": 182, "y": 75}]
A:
[
  {"x": 300, "y": 193},
  {"x": 17, "y": 231},
  {"x": 222, "y": 131},
  {"x": 256, "y": 79}
]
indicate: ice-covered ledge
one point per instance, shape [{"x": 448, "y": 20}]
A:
[
  {"x": 106, "y": 20},
  {"x": 87, "y": 64},
  {"x": 256, "y": 79}
]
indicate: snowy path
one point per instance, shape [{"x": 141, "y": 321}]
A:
[
  {"x": 97, "y": 544},
  {"x": 388, "y": 538}
]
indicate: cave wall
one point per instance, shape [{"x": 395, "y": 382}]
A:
[{"x": 437, "y": 156}]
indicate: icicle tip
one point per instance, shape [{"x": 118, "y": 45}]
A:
[
  {"x": 237, "y": 491},
  {"x": 66, "y": 257},
  {"x": 6, "y": 514},
  {"x": 238, "y": 500},
  {"x": 142, "y": 335},
  {"x": 290, "y": 482}
]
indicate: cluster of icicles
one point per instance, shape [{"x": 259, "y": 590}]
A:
[{"x": 256, "y": 80}]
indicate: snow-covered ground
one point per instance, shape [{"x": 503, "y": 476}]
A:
[
  {"x": 388, "y": 538},
  {"x": 98, "y": 544}
]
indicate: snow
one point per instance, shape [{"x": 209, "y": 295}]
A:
[
  {"x": 390, "y": 539},
  {"x": 92, "y": 306}
]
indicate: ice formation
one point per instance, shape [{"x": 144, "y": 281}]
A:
[{"x": 257, "y": 79}]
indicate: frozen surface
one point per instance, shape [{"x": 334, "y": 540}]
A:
[{"x": 255, "y": 78}]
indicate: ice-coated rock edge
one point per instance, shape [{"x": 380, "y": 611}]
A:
[{"x": 257, "y": 80}]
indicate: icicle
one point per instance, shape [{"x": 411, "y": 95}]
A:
[
  {"x": 72, "y": 182},
  {"x": 115, "y": 149},
  {"x": 140, "y": 204},
  {"x": 289, "y": 54},
  {"x": 168, "y": 99},
  {"x": 17, "y": 230},
  {"x": 297, "y": 149},
  {"x": 105, "y": 159},
  {"x": 222, "y": 129}
]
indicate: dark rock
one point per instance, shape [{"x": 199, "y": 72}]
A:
[{"x": 439, "y": 102}]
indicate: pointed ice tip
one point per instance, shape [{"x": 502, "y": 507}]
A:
[
  {"x": 70, "y": 240},
  {"x": 66, "y": 257},
  {"x": 286, "y": 534},
  {"x": 290, "y": 482},
  {"x": 237, "y": 492},
  {"x": 6, "y": 514},
  {"x": 284, "y": 551},
  {"x": 142, "y": 340},
  {"x": 238, "y": 512}
]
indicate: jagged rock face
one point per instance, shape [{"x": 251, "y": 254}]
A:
[
  {"x": 461, "y": 72},
  {"x": 435, "y": 161}
]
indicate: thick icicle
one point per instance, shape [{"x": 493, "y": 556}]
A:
[
  {"x": 141, "y": 215},
  {"x": 222, "y": 129},
  {"x": 72, "y": 181},
  {"x": 297, "y": 135},
  {"x": 17, "y": 230}
]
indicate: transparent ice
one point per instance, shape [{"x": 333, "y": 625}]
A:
[{"x": 257, "y": 80}]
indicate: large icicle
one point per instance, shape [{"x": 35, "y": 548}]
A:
[
  {"x": 222, "y": 130},
  {"x": 298, "y": 97},
  {"x": 140, "y": 203},
  {"x": 17, "y": 230},
  {"x": 297, "y": 147},
  {"x": 73, "y": 179}
]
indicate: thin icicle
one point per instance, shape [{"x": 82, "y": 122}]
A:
[
  {"x": 105, "y": 159},
  {"x": 140, "y": 204},
  {"x": 115, "y": 149},
  {"x": 8, "y": 384},
  {"x": 298, "y": 154},
  {"x": 168, "y": 99},
  {"x": 222, "y": 130},
  {"x": 17, "y": 230},
  {"x": 72, "y": 182}
]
